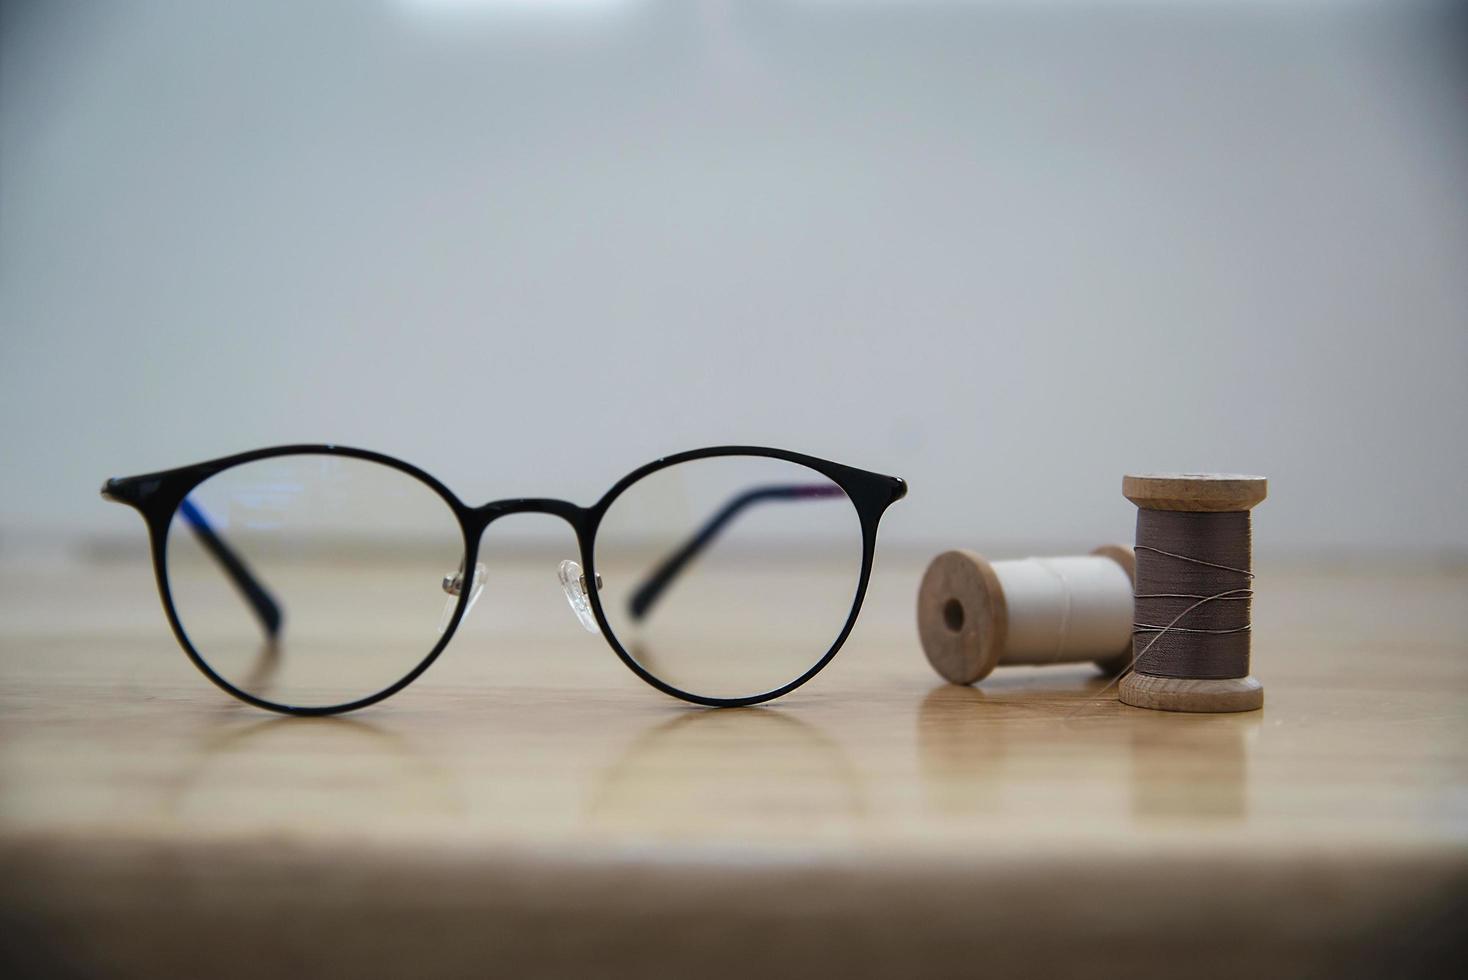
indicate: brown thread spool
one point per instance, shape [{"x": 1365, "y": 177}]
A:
[
  {"x": 1194, "y": 591},
  {"x": 975, "y": 615}
]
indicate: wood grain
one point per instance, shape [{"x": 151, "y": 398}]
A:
[
  {"x": 530, "y": 808},
  {"x": 1206, "y": 694},
  {"x": 962, "y": 618},
  {"x": 1194, "y": 492}
]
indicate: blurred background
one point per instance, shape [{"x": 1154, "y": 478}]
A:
[{"x": 1008, "y": 251}]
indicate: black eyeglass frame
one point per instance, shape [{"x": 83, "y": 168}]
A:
[{"x": 158, "y": 496}]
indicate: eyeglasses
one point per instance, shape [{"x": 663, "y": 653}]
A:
[{"x": 725, "y": 576}]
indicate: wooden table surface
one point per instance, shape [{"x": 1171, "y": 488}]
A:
[{"x": 529, "y": 807}]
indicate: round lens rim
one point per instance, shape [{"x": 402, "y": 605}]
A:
[
  {"x": 157, "y": 496},
  {"x": 159, "y": 530},
  {"x": 855, "y": 484}
]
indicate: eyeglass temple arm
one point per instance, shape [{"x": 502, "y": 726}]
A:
[
  {"x": 646, "y": 594},
  {"x": 262, "y": 603}
]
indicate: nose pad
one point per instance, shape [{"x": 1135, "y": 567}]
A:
[
  {"x": 573, "y": 582},
  {"x": 454, "y": 586}
]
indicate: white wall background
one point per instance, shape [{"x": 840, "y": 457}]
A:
[{"x": 1009, "y": 252}]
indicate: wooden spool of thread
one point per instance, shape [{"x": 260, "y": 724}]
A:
[
  {"x": 974, "y": 615},
  {"x": 1194, "y": 590}
]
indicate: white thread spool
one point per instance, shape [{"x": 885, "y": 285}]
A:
[{"x": 974, "y": 615}]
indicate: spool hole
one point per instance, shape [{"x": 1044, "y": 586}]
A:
[{"x": 953, "y": 615}]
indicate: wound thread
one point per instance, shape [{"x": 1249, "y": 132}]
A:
[
  {"x": 975, "y": 615},
  {"x": 1062, "y": 632},
  {"x": 1193, "y": 595}
]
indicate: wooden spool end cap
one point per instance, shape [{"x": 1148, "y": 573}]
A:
[
  {"x": 1122, "y": 555},
  {"x": 1191, "y": 694},
  {"x": 963, "y": 621},
  {"x": 1194, "y": 492}
]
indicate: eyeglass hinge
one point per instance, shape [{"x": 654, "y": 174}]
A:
[{"x": 129, "y": 490}]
